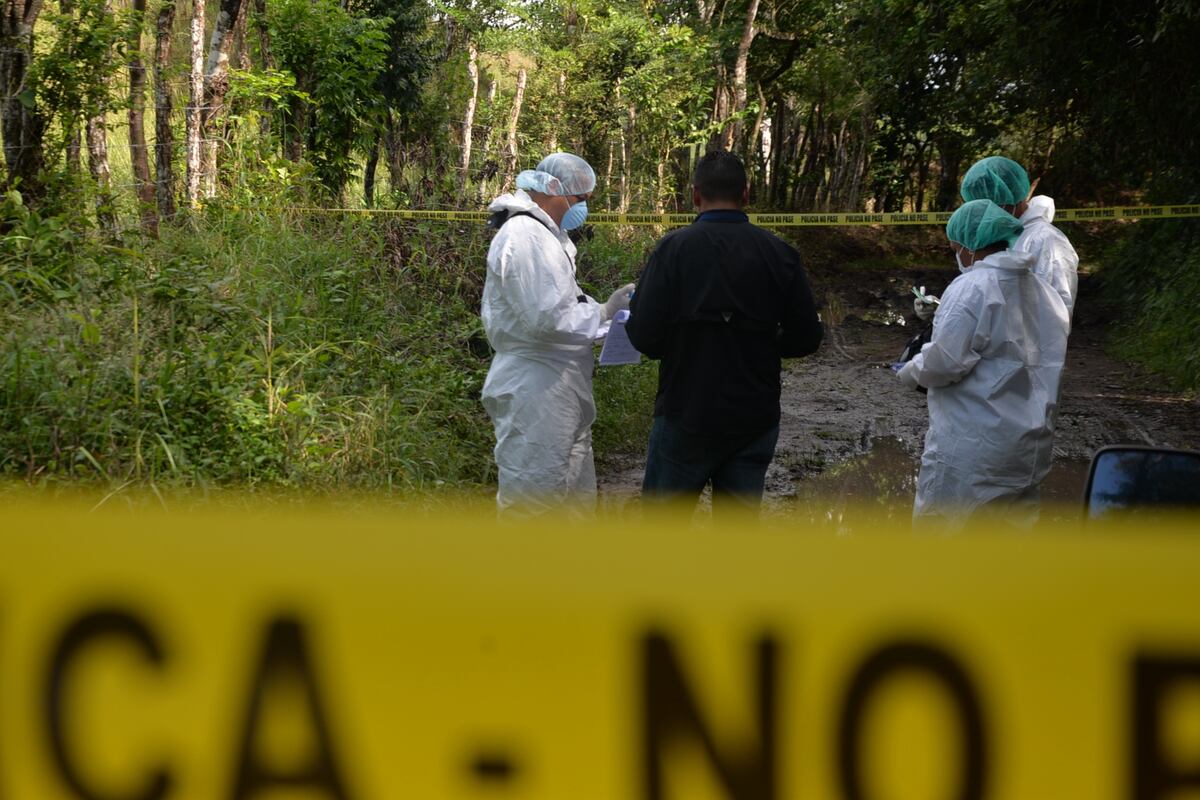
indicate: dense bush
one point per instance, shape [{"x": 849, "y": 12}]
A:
[{"x": 1153, "y": 279}]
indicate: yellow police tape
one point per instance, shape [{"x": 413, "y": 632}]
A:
[
  {"x": 784, "y": 220},
  {"x": 332, "y": 656}
]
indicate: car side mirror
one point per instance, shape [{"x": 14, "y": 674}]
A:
[{"x": 1126, "y": 478}]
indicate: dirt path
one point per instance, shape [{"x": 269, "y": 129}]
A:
[{"x": 851, "y": 434}]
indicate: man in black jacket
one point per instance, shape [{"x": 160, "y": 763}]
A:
[{"x": 719, "y": 302}]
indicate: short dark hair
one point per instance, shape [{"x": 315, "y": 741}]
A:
[{"x": 720, "y": 175}]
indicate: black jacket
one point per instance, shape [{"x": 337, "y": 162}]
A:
[{"x": 720, "y": 302}]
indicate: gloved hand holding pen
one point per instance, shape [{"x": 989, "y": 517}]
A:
[{"x": 925, "y": 304}]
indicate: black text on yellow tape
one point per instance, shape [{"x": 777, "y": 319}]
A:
[{"x": 323, "y": 657}]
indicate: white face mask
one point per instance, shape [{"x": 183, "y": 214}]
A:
[{"x": 958, "y": 258}]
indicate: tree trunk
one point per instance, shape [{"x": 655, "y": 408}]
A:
[
  {"x": 782, "y": 134},
  {"x": 164, "y": 138},
  {"x": 216, "y": 85},
  {"x": 861, "y": 164},
  {"x": 98, "y": 164},
  {"x": 195, "y": 100},
  {"x": 369, "y": 172},
  {"x": 923, "y": 166},
  {"x": 510, "y": 169},
  {"x": 490, "y": 165},
  {"x": 733, "y": 133},
  {"x": 393, "y": 145},
  {"x": 720, "y": 113},
  {"x": 753, "y": 154},
  {"x": 627, "y": 159},
  {"x": 74, "y": 151},
  {"x": 608, "y": 177},
  {"x": 97, "y": 143},
  {"x": 814, "y": 135},
  {"x": 22, "y": 123},
  {"x": 295, "y": 128},
  {"x": 661, "y": 190},
  {"x": 138, "y": 156},
  {"x": 950, "y": 161},
  {"x": 70, "y": 122},
  {"x": 268, "y": 62},
  {"x": 241, "y": 48},
  {"x": 561, "y": 102},
  {"x": 469, "y": 117}
]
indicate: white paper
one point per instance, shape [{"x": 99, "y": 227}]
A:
[{"x": 617, "y": 347}]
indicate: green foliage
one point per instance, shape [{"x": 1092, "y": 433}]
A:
[
  {"x": 409, "y": 49},
  {"x": 624, "y": 409},
  {"x": 72, "y": 74},
  {"x": 337, "y": 59},
  {"x": 256, "y": 173},
  {"x": 44, "y": 258},
  {"x": 262, "y": 350},
  {"x": 1153, "y": 280},
  {"x": 252, "y": 349},
  {"x": 625, "y": 394}
]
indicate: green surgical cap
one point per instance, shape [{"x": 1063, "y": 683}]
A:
[
  {"x": 980, "y": 223},
  {"x": 996, "y": 178}
]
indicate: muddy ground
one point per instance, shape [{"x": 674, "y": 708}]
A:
[{"x": 850, "y": 435}]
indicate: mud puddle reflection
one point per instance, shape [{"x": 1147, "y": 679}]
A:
[{"x": 881, "y": 485}]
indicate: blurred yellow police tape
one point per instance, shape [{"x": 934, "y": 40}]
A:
[
  {"x": 316, "y": 654},
  {"x": 782, "y": 220}
]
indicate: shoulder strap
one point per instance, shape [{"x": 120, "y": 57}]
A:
[{"x": 497, "y": 219}]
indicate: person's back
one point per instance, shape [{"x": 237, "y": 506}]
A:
[
  {"x": 993, "y": 367},
  {"x": 720, "y": 303},
  {"x": 1057, "y": 262},
  {"x": 732, "y": 303},
  {"x": 1000, "y": 412}
]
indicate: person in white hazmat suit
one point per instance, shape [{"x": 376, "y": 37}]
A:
[
  {"x": 1005, "y": 183},
  {"x": 538, "y": 391},
  {"x": 992, "y": 368}
]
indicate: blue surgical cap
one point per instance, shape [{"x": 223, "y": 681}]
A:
[
  {"x": 996, "y": 178},
  {"x": 981, "y": 223},
  {"x": 559, "y": 174}
]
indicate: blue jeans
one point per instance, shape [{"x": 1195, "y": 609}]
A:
[{"x": 679, "y": 464}]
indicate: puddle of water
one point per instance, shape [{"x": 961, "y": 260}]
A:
[
  {"x": 887, "y": 317},
  {"x": 883, "y": 482}
]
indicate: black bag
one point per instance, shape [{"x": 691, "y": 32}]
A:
[
  {"x": 914, "y": 346},
  {"x": 497, "y": 219},
  {"x": 916, "y": 343}
]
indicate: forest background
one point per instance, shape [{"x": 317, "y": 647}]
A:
[{"x": 185, "y": 299}]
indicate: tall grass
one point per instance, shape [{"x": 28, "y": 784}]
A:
[{"x": 255, "y": 349}]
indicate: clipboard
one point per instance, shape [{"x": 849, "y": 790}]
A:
[{"x": 617, "y": 348}]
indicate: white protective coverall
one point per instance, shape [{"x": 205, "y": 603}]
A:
[
  {"x": 1057, "y": 262},
  {"x": 992, "y": 367},
  {"x": 538, "y": 391}
]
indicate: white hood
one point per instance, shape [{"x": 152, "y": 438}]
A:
[
  {"x": 1057, "y": 263},
  {"x": 521, "y": 201},
  {"x": 1007, "y": 260},
  {"x": 1041, "y": 209}
]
